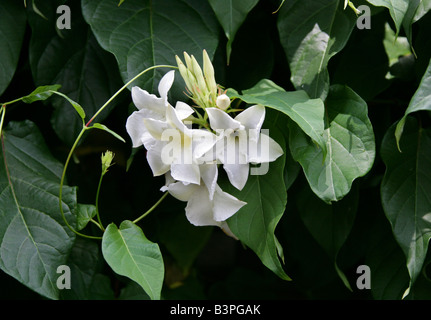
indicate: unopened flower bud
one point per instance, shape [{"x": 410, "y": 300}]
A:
[
  {"x": 107, "y": 158},
  {"x": 223, "y": 102},
  {"x": 209, "y": 75}
]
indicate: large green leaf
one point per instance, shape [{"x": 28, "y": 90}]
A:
[
  {"x": 307, "y": 113},
  {"x": 311, "y": 32},
  {"x": 12, "y": 26},
  {"x": 144, "y": 33},
  {"x": 397, "y": 9},
  {"x": 350, "y": 146},
  {"x": 129, "y": 253},
  {"x": 405, "y": 192},
  {"x": 87, "y": 73},
  {"x": 330, "y": 225},
  {"x": 231, "y": 14},
  {"x": 34, "y": 239},
  {"x": 420, "y": 101},
  {"x": 255, "y": 223}
]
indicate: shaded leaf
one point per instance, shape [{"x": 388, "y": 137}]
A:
[
  {"x": 397, "y": 9},
  {"x": 405, "y": 192},
  {"x": 12, "y": 26},
  {"x": 311, "y": 32},
  {"x": 41, "y": 93},
  {"x": 34, "y": 239}
]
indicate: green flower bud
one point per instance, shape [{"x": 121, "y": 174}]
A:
[{"x": 209, "y": 75}]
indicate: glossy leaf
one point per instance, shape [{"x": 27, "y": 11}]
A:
[
  {"x": 129, "y": 253},
  {"x": 350, "y": 145},
  {"x": 404, "y": 192},
  {"x": 84, "y": 213},
  {"x": 34, "y": 239},
  {"x": 12, "y": 26},
  {"x": 311, "y": 32},
  {"x": 307, "y": 113},
  {"x": 41, "y": 93},
  {"x": 231, "y": 14},
  {"x": 142, "y": 34}
]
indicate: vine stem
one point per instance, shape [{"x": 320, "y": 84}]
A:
[
  {"x": 151, "y": 209},
  {"x": 75, "y": 144},
  {"x": 97, "y": 202}
]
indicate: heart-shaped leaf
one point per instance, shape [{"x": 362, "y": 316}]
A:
[
  {"x": 129, "y": 253},
  {"x": 350, "y": 146}
]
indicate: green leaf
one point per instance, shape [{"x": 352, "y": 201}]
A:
[
  {"x": 129, "y": 253},
  {"x": 84, "y": 213},
  {"x": 105, "y": 128},
  {"x": 34, "y": 239},
  {"x": 255, "y": 223},
  {"x": 144, "y": 33},
  {"x": 41, "y": 93},
  {"x": 88, "y": 74},
  {"x": 12, "y": 26},
  {"x": 231, "y": 14},
  {"x": 330, "y": 225},
  {"x": 307, "y": 113},
  {"x": 421, "y": 100},
  {"x": 74, "y": 104},
  {"x": 311, "y": 32},
  {"x": 350, "y": 145},
  {"x": 397, "y": 9},
  {"x": 405, "y": 192}
]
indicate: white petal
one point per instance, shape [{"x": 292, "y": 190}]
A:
[
  {"x": 221, "y": 120},
  {"x": 183, "y": 110},
  {"x": 265, "y": 150},
  {"x": 181, "y": 191},
  {"x": 155, "y": 127},
  {"x": 173, "y": 119},
  {"x": 188, "y": 173},
  {"x": 203, "y": 141},
  {"x": 155, "y": 161},
  {"x": 252, "y": 117},
  {"x": 224, "y": 226},
  {"x": 209, "y": 174},
  {"x": 151, "y": 106},
  {"x": 237, "y": 174},
  {"x": 225, "y": 205},
  {"x": 135, "y": 128},
  {"x": 199, "y": 209},
  {"x": 165, "y": 84}
]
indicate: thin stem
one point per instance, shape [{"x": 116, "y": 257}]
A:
[
  {"x": 124, "y": 87},
  {"x": 151, "y": 209},
  {"x": 60, "y": 196},
  {"x": 97, "y": 203}
]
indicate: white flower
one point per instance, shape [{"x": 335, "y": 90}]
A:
[
  {"x": 240, "y": 142},
  {"x": 156, "y": 122},
  {"x": 207, "y": 203}
]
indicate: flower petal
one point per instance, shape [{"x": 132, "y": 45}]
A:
[
  {"x": 158, "y": 167},
  {"x": 252, "y": 117},
  {"x": 155, "y": 127},
  {"x": 221, "y": 120},
  {"x": 203, "y": 141},
  {"x": 165, "y": 84},
  {"x": 265, "y": 149},
  {"x": 180, "y": 190},
  {"x": 224, "y": 226},
  {"x": 237, "y": 174},
  {"x": 136, "y": 129},
  {"x": 183, "y": 110},
  {"x": 188, "y": 173},
  {"x": 225, "y": 205},
  {"x": 199, "y": 209},
  {"x": 209, "y": 174},
  {"x": 151, "y": 106}
]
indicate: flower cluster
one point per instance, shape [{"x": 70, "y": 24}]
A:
[{"x": 187, "y": 146}]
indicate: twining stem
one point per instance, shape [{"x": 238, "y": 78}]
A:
[
  {"x": 2, "y": 113},
  {"x": 151, "y": 209}
]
